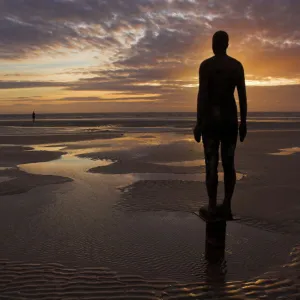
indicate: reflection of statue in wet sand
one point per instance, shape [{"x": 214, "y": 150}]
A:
[
  {"x": 217, "y": 118},
  {"x": 215, "y": 243}
]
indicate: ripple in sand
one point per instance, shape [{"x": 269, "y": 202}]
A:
[{"x": 17, "y": 282}]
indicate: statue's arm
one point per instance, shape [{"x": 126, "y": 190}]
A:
[
  {"x": 241, "y": 88},
  {"x": 202, "y": 93}
]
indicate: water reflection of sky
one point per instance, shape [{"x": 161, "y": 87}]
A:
[
  {"x": 74, "y": 166},
  {"x": 68, "y": 166},
  {"x": 126, "y": 142},
  {"x": 5, "y": 168},
  {"x": 5, "y": 178},
  {"x": 287, "y": 151}
]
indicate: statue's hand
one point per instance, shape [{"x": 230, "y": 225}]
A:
[
  {"x": 197, "y": 133},
  {"x": 243, "y": 131}
]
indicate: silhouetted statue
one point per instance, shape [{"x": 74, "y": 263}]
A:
[
  {"x": 33, "y": 117},
  {"x": 217, "y": 118}
]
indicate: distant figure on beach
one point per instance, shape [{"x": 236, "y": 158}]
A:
[
  {"x": 217, "y": 118},
  {"x": 33, "y": 117}
]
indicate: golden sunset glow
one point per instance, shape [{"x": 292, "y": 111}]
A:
[{"x": 89, "y": 56}]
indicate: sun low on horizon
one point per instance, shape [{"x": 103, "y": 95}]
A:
[{"x": 59, "y": 56}]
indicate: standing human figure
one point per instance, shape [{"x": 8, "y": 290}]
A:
[
  {"x": 217, "y": 118},
  {"x": 33, "y": 117}
]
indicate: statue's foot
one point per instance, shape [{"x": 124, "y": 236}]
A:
[
  {"x": 211, "y": 212},
  {"x": 226, "y": 211}
]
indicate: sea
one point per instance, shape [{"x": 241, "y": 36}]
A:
[{"x": 145, "y": 121}]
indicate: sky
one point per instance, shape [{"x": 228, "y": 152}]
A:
[{"x": 142, "y": 55}]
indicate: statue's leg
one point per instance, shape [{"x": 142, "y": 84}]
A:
[
  {"x": 211, "y": 150},
  {"x": 228, "y": 145}
]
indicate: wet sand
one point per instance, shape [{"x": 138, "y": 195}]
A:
[
  {"x": 118, "y": 223},
  {"x": 55, "y": 138}
]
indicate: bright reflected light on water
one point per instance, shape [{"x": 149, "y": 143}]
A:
[
  {"x": 5, "y": 168},
  {"x": 287, "y": 151},
  {"x": 80, "y": 157},
  {"x": 47, "y": 148},
  {"x": 68, "y": 165},
  {"x": 5, "y": 178}
]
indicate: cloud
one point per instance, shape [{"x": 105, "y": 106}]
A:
[
  {"x": 152, "y": 27},
  {"x": 111, "y": 99},
  {"x": 40, "y": 100},
  {"x": 29, "y": 84},
  {"x": 150, "y": 46},
  {"x": 80, "y": 99},
  {"x": 28, "y": 28},
  {"x": 45, "y": 25}
]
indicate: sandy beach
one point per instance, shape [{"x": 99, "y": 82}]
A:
[{"x": 91, "y": 212}]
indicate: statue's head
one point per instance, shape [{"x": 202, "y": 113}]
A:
[{"x": 220, "y": 42}]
